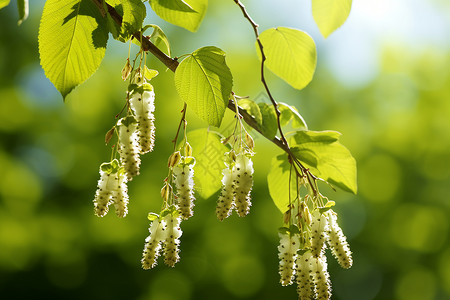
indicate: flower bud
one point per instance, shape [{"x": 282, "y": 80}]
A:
[
  {"x": 126, "y": 70},
  {"x": 174, "y": 159}
]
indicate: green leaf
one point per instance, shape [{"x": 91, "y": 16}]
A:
[
  {"x": 133, "y": 16},
  {"x": 23, "y": 7},
  {"x": 269, "y": 125},
  {"x": 252, "y": 109},
  {"x": 278, "y": 182},
  {"x": 204, "y": 81},
  {"x": 72, "y": 42},
  {"x": 321, "y": 152},
  {"x": 330, "y": 14},
  {"x": 288, "y": 113},
  {"x": 187, "y": 14},
  {"x": 209, "y": 154},
  {"x": 4, "y": 3},
  {"x": 291, "y": 55},
  {"x": 149, "y": 74},
  {"x": 159, "y": 38}
]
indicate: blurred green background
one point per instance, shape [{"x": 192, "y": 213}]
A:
[{"x": 383, "y": 80}]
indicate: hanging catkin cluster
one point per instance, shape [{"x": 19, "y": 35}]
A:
[
  {"x": 302, "y": 253},
  {"x": 142, "y": 103},
  {"x": 112, "y": 188},
  {"x": 237, "y": 183},
  {"x": 136, "y": 135},
  {"x": 165, "y": 233},
  {"x": 184, "y": 182}
]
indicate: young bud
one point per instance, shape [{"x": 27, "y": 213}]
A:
[
  {"x": 225, "y": 202},
  {"x": 243, "y": 182},
  {"x": 318, "y": 233},
  {"x": 305, "y": 285},
  {"x": 187, "y": 149},
  {"x": 153, "y": 244},
  {"x": 166, "y": 191},
  {"x": 184, "y": 180},
  {"x": 306, "y": 214},
  {"x": 109, "y": 135},
  {"x": 174, "y": 159},
  {"x": 128, "y": 147},
  {"x": 287, "y": 253},
  {"x": 249, "y": 141},
  {"x": 338, "y": 242},
  {"x": 126, "y": 70},
  {"x": 173, "y": 233}
]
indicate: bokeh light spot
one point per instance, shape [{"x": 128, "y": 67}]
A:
[
  {"x": 379, "y": 178},
  {"x": 419, "y": 227},
  {"x": 418, "y": 284},
  {"x": 243, "y": 276}
]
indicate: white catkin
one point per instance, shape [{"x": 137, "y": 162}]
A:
[
  {"x": 243, "y": 182},
  {"x": 129, "y": 149},
  {"x": 338, "y": 242},
  {"x": 305, "y": 285},
  {"x": 121, "y": 200},
  {"x": 184, "y": 181},
  {"x": 153, "y": 247},
  {"x": 287, "y": 253},
  {"x": 172, "y": 242},
  {"x": 225, "y": 202},
  {"x": 319, "y": 229},
  {"x": 143, "y": 106},
  {"x": 106, "y": 192},
  {"x": 321, "y": 278}
]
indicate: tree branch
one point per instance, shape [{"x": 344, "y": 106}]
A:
[
  {"x": 172, "y": 64},
  {"x": 263, "y": 59}
]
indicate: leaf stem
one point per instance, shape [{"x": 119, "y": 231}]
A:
[{"x": 172, "y": 64}]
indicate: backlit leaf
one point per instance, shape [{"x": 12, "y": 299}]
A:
[
  {"x": 330, "y": 14},
  {"x": 278, "y": 182},
  {"x": 209, "y": 153},
  {"x": 204, "y": 82},
  {"x": 187, "y": 14},
  {"x": 321, "y": 152},
  {"x": 72, "y": 42},
  {"x": 291, "y": 55}
]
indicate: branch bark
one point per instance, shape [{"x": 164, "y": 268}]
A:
[{"x": 172, "y": 64}]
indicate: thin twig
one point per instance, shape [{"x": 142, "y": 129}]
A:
[
  {"x": 263, "y": 60},
  {"x": 172, "y": 64},
  {"x": 182, "y": 120}
]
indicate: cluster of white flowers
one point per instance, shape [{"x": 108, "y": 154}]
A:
[
  {"x": 184, "y": 182},
  {"x": 143, "y": 106},
  {"x": 129, "y": 146},
  {"x": 164, "y": 233},
  {"x": 237, "y": 185},
  {"x": 111, "y": 188},
  {"x": 307, "y": 262},
  {"x": 287, "y": 253}
]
